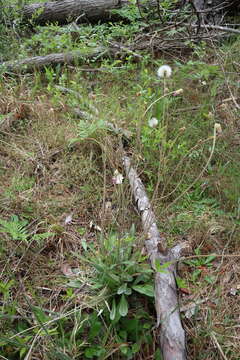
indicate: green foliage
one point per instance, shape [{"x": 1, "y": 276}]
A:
[
  {"x": 198, "y": 264},
  {"x": 130, "y": 13},
  {"x": 106, "y": 310},
  {"x": 119, "y": 270},
  {"x": 120, "y": 273},
  {"x": 87, "y": 130},
  {"x": 18, "y": 230},
  {"x": 15, "y": 228},
  {"x": 19, "y": 184}
]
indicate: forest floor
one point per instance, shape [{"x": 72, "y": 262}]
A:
[{"x": 75, "y": 281}]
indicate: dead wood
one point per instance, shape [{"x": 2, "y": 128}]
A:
[
  {"x": 213, "y": 11},
  {"x": 38, "y": 62},
  {"x": 172, "y": 335},
  {"x": 66, "y": 11},
  {"x": 73, "y": 57}
]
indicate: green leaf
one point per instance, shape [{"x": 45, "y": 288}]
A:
[
  {"x": 210, "y": 259},
  {"x": 181, "y": 283},
  {"x": 210, "y": 279},
  {"x": 160, "y": 267},
  {"x": 96, "y": 326},
  {"x": 133, "y": 230},
  {"x": 146, "y": 289},
  {"x": 124, "y": 349},
  {"x": 94, "y": 351},
  {"x": 113, "y": 310},
  {"x": 40, "y": 315},
  {"x": 84, "y": 244},
  {"x": 157, "y": 355},
  {"x": 113, "y": 278},
  {"x": 128, "y": 291},
  {"x": 126, "y": 277},
  {"x": 74, "y": 284},
  {"x": 196, "y": 274},
  {"x": 135, "y": 348},
  {"x": 23, "y": 352},
  {"x": 123, "y": 306},
  {"x": 123, "y": 289},
  {"x": 42, "y": 236}
]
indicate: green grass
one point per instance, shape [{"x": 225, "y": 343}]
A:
[{"x": 64, "y": 223}]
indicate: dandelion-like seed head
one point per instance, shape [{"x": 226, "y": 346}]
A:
[
  {"x": 164, "y": 71},
  {"x": 153, "y": 122}
]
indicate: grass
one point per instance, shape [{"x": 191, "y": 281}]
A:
[{"x": 63, "y": 221}]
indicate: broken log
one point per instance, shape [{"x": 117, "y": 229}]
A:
[
  {"x": 38, "y": 62},
  {"x": 66, "y": 11},
  {"x": 72, "y": 58},
  {"x": 172, "y": 335},
  {"x": 82, "y": 11}
]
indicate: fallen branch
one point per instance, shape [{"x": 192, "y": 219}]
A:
[
  {"x": 66, "y": 11},
  {"x": 80, "y": 11},
  {"x": 38, "y": 62},
  {"x": 217, "y": 27},
  {"x": 172, "y": 336},
  {"x": 73, "y": 57}
]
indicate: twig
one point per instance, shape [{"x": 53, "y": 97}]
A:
[{"x": 218, "y": 27}]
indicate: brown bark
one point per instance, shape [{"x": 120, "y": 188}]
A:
[
  {"x": 65, "y": 11},
  {"x": 172, "y": 335},
  {"x": 68, "y": 10}
]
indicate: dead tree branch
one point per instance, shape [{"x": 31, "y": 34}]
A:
[
  {"x": 172, "y": 336},
  {"x": 38, "y": 62}
]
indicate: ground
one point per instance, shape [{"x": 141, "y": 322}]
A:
[{"x": 75, "y": 279}]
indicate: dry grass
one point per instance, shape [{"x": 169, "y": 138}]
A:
[{"x": 44, "y": 178}]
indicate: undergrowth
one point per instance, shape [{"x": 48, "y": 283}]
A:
[{"x": 75, "y": 280}]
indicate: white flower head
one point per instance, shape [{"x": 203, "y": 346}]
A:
[
  {"x": 68, "y": 219},
  {"x": 218, "y": 128},
  {"x": 153, "y": 122},
  {"x": 117, "y": 178},
  {"x": 164, "y": 71}
]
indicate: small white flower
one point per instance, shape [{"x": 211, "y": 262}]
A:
[
  {"x": 164, "y": 71},
  {"x": 68, "y": 220},
  {"x": 218, "y": 128},
  {"x": 153, "y": 122},
  {"x": 117, "y": 178}
]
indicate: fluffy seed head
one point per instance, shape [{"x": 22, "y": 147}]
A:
[
  {"x": 153, "y": 122},
  {"x": 164, "y": 71}
]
